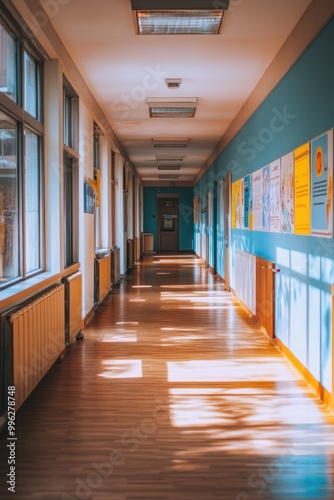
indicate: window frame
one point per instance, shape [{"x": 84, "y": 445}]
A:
[
  {"x": 70, "y": 153},
  {"x": 25, "y": 121}
]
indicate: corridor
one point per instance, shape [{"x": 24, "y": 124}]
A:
[{"x": 174, "y": 393}]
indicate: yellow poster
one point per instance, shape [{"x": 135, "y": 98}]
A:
[
  {"x": 302, "y": 189},
  {"x": 97, "y": 186},
  {"x": 234, "y": 204}
]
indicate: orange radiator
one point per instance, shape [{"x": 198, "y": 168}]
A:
[
  {"x": 73, "y": 305},
  {"x": 38, "y": 338},
  {"x": 102, "y": 278},
  {"x": 265, "y": 295}
]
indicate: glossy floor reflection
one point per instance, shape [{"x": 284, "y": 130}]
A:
[{"x": 173, "y": 394}]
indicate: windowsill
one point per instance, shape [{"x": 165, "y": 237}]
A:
[{"x": 19, "y": 292}]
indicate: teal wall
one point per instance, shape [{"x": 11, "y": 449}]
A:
[
  {"x": 300, "y": 108},
  {"x": 186, "y": 226}
]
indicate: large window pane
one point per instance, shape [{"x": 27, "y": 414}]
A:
[
  {"x": 9, "y": 245},
  {"x": 32, "y": 202},
  {"x": 68, "y": 211},
  {"x": 8, "y": 72},
  {"x": 30, "y": 85}
]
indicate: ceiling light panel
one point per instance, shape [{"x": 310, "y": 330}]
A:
[
  {"x": 162, "y": 112},
  {"x": 174, "y": 17},
  {"x": 169, "y": 167},
  {"x": 179, "y": 22},
  {"x": 169, "y": 159},
  {"x": 169, "y": 144},
  {"x": 184, "y": 108}
]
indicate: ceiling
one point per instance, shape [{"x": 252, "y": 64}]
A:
[{"x": 123, "y": 70}]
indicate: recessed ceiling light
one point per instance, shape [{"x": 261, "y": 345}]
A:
[
  {"x": 174, "y": 17},
  {"x": 163, "y": 108}
]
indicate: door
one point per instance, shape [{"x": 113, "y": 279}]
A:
[{"x": 168, "y": 224}]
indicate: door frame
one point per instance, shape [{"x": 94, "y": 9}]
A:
[{"x": 168, "y": 196}]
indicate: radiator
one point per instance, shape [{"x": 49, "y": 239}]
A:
[
  {"x": 265, "y": 295},
  {"x": 254, "y": 285},
  {"x": 102, "y": 278},
  {"x": 245, "y": 279},
  {"x": 115, "y": 265},
  {"x": 130, "y": 253},
  {"x": 73, "y": 306},
  {"x": 35, "y": 338}
]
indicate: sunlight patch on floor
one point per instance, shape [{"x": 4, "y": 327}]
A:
[
  {"x": 122, "y": 368},
  {"x": 135, "y": 323},
  {"x": 223, "y": 370},
  {"x": 119, "y": 337}
]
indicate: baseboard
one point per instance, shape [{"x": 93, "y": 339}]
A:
[{"x": 317, "y": 388}]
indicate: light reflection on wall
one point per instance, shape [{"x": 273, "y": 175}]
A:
[{"x": 304, "y": 310}]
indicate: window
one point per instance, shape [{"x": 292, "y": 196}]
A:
[
  {"x": 32, "y": 200},
  {"x": 31, "y": 83},
  {"x": 8, "y": 64},
  {"x": 68, "y": 212},
  {"x": 71, "y": 117},
  {"x": 97, "y": 172},
  {"x": 21, "y": 133},
  {"x": 70, "y": 174},
  {"x": 9, "y": 215}
]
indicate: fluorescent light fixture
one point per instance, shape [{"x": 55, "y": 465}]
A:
[
  {"x": 170, "y": 143},
  {"x": 169, "y": 167},
  {"x": 173, "y": 17},
  {"x": 163, "y": 108},
  {"x": 169, "y": 159}
]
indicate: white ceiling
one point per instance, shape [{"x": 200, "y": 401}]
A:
[{"x": 123, "y": 69}]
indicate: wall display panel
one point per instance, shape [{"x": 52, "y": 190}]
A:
[
  {"x": 302, "y": 189},
  {"x": 293, "y": 194},
  {"x": 266, "y": 198},
  {"x": 322, "y": 185},
  {"x": 237, "y": 204},
  {"x": 234, "y": 205},
  {"x": 248, "y": 203},
  {"x": 287, "y": 194},
  {"x": 241, "y": 204},
  {"x": 257, "y": 200},
  {"x": 275, "y": 188}
]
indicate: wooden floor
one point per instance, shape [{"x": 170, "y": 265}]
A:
[{"x": 173, "y": 394}]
